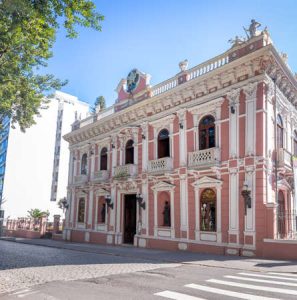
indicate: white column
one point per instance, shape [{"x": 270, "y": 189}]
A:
[
  {"x": 92, "y": 169},
  {"x": 144, "y": 127},
  {"x": 183, "y": 203},
  {"x": 233, "y": 97},
  {"x": 135, "y": 139},
  {"x": 74, "y": 163},
  {"x": 72, "y": 207},
  {"x": 219, "y": 214},
  {"x": 114, "y": 155},
  {"x": 197, "y": 214},
  {"x": 90, "y": 211},
  {"x": 233, "y": 203},
  {"x": 182, "y": 137},
  {"x": 155, "y": 213},
  {"x": 172, "y": 214},
  {"x": 112, "y": 211},
  {"x": 250, "y": 119},
  {"x": 144, "y": 212},
  {"x": 250, "y": 212}
]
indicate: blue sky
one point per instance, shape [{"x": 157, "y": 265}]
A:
[{"x": 155, "y": 35}]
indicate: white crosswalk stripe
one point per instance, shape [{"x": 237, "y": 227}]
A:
[
  {"x": 261, "y": 280},
  {"x": 177, "y": 296},
  {"x": 255, "y": 288},
  {"x": 268, "y": 276},
  {"x": 283, "y": 274},
  {"x": 226, "y": 292}
]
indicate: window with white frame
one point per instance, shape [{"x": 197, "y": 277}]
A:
[{"x": 163, "y": 144}]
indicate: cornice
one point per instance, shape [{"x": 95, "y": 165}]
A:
[{"x": 193, "y": 92}]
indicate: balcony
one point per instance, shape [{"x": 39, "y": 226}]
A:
[
  {"x": 79, "y": 179},
  {"x": 160, "y": 165},
  {"x": 204, "y": 158},
  {"x": 101, "y": 175},
  {"x": 129, "y": 170},
  {"x": 284, "y": 158}
]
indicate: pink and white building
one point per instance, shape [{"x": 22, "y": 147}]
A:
[{"x": 191, "y": 163}]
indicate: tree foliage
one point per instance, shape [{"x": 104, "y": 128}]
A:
[
  {"x": 27, "y": 34},
  {"x": 37, "y": 213},
  {"x": 100, "y": 101}
]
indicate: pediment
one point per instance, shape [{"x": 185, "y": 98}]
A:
[
  {"x": 163, "y": 186},
  {"x": 101, "y": 192},
  {"x": 207, "y": 182}
]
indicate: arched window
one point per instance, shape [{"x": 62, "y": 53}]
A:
[
  {"x": 84, "y": 164},
  {"x": 129, "y": 152},
  {"x": 280, "y": 132},
  {"x": 81, "y": 211},
  {"x": 295, "y": 143},
  {"x": 207, "y": 133},
  {"x": 163, "y": 144},
  {"x": 103, "y": 159},
  {"x": 208, "y": 209}
]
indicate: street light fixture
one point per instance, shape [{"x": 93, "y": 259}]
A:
[
  {"x": 139, "y": 199},
  {"x": 246, "y": 194},
  {"x": 108, "y": 201}
]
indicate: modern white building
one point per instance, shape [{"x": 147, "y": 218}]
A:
[{"x": 37, "y": 161}]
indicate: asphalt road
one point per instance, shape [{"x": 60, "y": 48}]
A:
[{"x": 36, "y": 272}]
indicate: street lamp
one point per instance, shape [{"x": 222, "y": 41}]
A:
[
  {"x": 139, "y": 199},
  {"x": 246, "y": 194},
  {"x": 108, "y": 201}
]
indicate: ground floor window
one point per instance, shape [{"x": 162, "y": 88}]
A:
[
  {"x": 81, "y": 211},
  {"x": 208, "y": 210},
  {"x": 101, "y": 211}
]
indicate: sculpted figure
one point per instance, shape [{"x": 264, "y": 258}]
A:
[
  {"x": 166, "y": 214},
  {"x": 103, "y": 213},
  {"x": 252, "y": 28}
]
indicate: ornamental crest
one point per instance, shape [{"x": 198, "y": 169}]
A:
[{"x": 132, "y": 80}]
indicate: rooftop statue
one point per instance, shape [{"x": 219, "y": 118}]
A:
[
  {"x": 237, "y": 41},
  {"x": 252, "y": 30}
]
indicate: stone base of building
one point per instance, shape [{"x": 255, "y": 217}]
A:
[{"x": 273, "y": 249}]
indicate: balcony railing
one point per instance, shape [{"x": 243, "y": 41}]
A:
[
  {"x": 284, "y": 158},
  {"x": 129, "y": 170},
  {"x": 80, "y": 179},
  {"x": 101, "y": 175},
  {"x": 201, "y": 158},
  {"x": 160, "y": 165}
]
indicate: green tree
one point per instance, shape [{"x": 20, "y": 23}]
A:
[
  {"x": 37, "y": 213},
  {"x": 99, "y": 101},
  {"x": 27, "y": 34}
]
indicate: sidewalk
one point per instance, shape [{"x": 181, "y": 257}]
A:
[{"x": 161, "y": 256}]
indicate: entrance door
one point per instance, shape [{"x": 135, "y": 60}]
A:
[{"x": 129, "y": 218}]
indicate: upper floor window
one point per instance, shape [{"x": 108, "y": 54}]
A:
[
  {"x": 295, "y": 143},
  {"x": 129, "y": 151},
  {"x": 207, "y": 133},
  {"x": 84, "y": 164},
  {"x": 163, "y": 144},
  {"x": 103, "y": 159},
  {"x": 81, "y": 210},
  {"x": 280, "y": 132}
]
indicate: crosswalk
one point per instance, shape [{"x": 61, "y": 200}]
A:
[{"x": 243, "y": 285}]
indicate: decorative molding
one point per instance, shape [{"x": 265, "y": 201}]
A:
[
  {"x": 207, "y": 182},
  {"x": 163, "y": 186}
]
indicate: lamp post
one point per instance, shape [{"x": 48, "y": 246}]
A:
[
  {"x": 108, "y": 201},
  {"x": 139, "y": 199},
  {"x": 246, "y": 194}
]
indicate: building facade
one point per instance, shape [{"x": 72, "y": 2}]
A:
[
  {"x": 37, "y": 160},
  {"x": 199, "y": 162}
]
